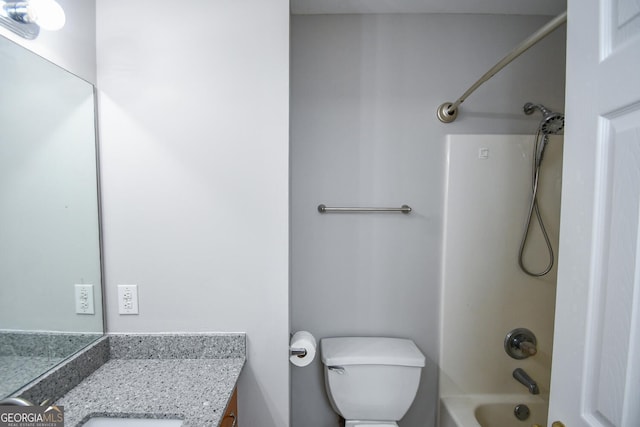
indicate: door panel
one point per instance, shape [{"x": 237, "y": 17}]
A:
[
  {"x": 596, "y": 373},
  {"x": 613, "y": 309}
]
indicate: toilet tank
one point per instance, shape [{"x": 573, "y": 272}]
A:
[{"x": 371, "y": 378}]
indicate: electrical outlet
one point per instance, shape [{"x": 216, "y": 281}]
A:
[
  {"x": 128, "y": 299},
  {"x": 84, "y": 299}
]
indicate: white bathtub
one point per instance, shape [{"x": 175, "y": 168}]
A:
[{"x": 491, "y": 410}]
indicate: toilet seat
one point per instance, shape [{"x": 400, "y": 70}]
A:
[{"x": 358, "y": 423}]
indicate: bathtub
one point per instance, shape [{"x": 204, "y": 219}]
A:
[{"x": 491, "y": 410}]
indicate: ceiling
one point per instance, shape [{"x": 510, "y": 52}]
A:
[{"x": 507, "y": 7}]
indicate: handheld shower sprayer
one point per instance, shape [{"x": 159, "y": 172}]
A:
[{"x": 552, "y": 123}]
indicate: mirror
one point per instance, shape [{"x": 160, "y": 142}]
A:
[{"x": 49, "y": 224}]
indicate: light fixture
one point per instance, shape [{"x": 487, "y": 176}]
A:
[{"x": 25, "y": 18}]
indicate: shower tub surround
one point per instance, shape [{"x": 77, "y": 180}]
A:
[
  {"x": 185, "y": 376},
  {"x": 485, "y": 295}
]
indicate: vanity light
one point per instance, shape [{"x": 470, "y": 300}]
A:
[{"x": 25, "y": 18}]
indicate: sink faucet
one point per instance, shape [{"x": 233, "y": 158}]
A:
[
  {"x": 524, "y": 379},
  {"x": 15, "y": 401},
  {"x": 21, "y": 401}
]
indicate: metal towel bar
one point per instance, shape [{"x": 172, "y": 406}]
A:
[{"x": 326, "y": 209}]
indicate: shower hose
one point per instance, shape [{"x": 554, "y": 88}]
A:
[{"x": 538, "y": 151}]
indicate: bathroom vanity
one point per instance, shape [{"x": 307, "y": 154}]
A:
[{"x": 188, "y": 377}]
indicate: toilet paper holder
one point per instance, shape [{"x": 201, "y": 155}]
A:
[{"x": 300, "y": 352}]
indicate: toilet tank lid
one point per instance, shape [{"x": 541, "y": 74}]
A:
[{"x": 370, "y": 351}]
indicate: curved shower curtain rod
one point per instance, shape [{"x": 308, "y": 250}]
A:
[{"x": 448, "y": 111}]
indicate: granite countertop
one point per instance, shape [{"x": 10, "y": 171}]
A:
[
  {"x": 25, "y": 355},
  {"x": 194, "y": 390},
  {"x": 186, "y": 376}
]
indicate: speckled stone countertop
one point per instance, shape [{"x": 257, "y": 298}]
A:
[{"x": 190, "y": 377}]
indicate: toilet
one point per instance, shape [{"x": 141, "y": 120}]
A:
[{"x": 371, "y": 381}]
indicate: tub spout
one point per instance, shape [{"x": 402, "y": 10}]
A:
[{"x": 524, "y": 379}]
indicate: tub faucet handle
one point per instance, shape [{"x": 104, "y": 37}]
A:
[
  {"x": 520, "y": 343},
  {"x": 528, "y": 347}
]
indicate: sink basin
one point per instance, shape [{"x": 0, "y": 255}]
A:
[{"x": 131, "y": 422}]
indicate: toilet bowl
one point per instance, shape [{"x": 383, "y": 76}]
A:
[{"x": 371, "y": 381}]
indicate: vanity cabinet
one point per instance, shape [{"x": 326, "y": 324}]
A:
[{"x": 230, "y": 417}]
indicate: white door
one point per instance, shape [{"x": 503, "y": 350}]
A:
[{"x": 596, "y": 361}]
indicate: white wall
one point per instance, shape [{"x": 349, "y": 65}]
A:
[
  {"x": 365, "y": 89},
  {"x": 194, "y": 149},
  {"x": 74, "y": 46},
  {"x": 484, "y": 293}
]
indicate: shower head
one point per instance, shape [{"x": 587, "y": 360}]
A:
[{"x": 552, "y": 123}]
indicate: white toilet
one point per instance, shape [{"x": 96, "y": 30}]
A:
[{"x": 371, "y": 381}]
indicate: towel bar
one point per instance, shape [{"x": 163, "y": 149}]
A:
[{"x": 326, "y": 209}]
